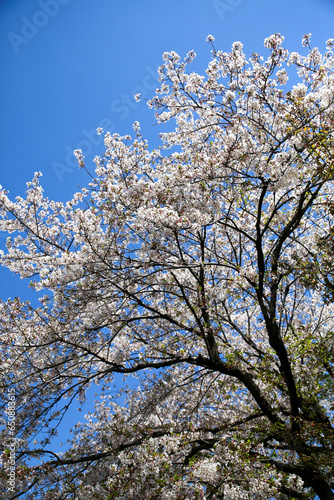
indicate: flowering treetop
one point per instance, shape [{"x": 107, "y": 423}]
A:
[{"x": 203, "y": 267}]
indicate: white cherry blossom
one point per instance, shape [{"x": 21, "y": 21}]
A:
[{"x": 203, "y": 269}]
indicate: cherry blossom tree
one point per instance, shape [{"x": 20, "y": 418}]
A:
[{"x": 199, "y": 268}]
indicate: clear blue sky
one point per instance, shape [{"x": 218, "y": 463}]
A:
[{"x": 69, "y": 66}]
